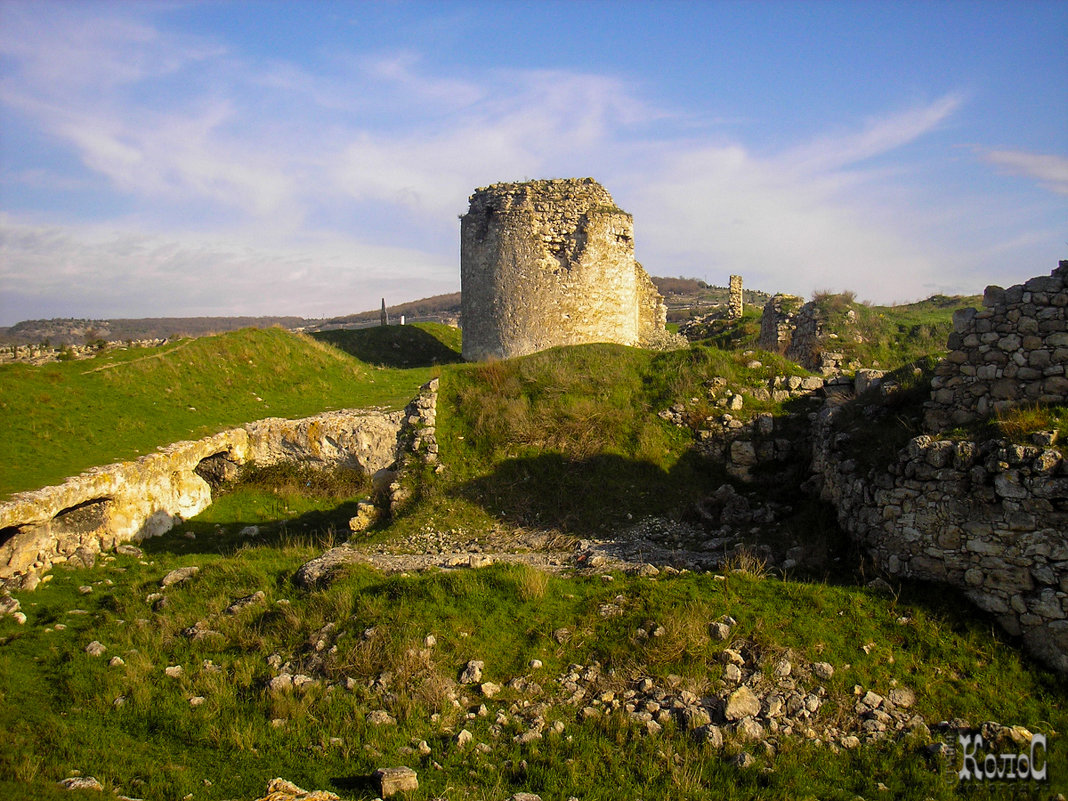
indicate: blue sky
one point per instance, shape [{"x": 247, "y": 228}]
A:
[{"x": 309, "y": 158}]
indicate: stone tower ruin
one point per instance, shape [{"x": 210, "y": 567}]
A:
[
  {"x": 546, "y": 263},
  {"x": 735, "y": 307}
]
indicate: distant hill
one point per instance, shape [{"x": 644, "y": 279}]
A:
[
  {"x": 70, "y": 331},
  {"x": 685, "y": 298}
]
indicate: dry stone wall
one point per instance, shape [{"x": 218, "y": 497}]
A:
[
  {"x": 1012, "y": 351},
  {"x": 546, "y": 263},
  {"x": 108, "y": 505},
  {"x": 990, "y": 519}
]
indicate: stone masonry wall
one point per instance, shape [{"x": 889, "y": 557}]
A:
[
  {"x": 735, "y": 299},
  {"x": 989, "y": 519},
  {"x": 116, "y": 503},
  {"x": 547, "y": 263},
  {"x": 1013, "y": 351}
]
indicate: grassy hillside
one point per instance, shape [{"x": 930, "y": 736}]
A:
[
  {"x": 887, "y": 337},
  {"x": 570, "y": 437},
  {"x": 568, "y": 442},
  {"x": 59, "y": 419},
  {"x": 134, "y": 728}
]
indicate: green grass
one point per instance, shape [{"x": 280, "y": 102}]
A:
[
  {"x": 59, "y": 714},
  {"x": 888, "y": 337},
  {"x": 569, "y": 438},
  {"x": 62, "y": 418},
  {"x": 565, "y": 439}
]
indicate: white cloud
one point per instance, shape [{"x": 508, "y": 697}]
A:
[
  {"x": 298, "y": 177},
  {"x": 111, "y": 271},
  {"x": 1049, "y": 170}
]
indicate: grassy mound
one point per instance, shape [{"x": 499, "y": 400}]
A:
[
  {"x": 62, "y": 418},
  {"x": 570, "y": 438},
  {"x": 416, "y": 345}
]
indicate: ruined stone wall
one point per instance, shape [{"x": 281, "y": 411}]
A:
[
  {"x": 777, "y": 322},
  {"x": 1013, "y": 351},
  {"x": 547, "y": 263},
  {"x": 735, "y": 301},
  {"x": 989, "y": 519},
  {"x": 795, "y": 329},
  {"x": 108, "y": 505}
]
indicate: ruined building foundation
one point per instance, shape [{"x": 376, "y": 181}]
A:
[{"x": 546, "y": 263}]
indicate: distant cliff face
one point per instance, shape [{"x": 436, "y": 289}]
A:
[{"x": 546, "y": 263}]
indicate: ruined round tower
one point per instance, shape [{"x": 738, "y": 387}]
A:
[{"x": 545, "y": 263}]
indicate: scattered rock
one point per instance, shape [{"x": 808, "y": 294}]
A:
[
  {"x": 95, "y": 648},
  {"x": 282, "y": 790},
  {"x": 741, "y": 703},
  {"x": 749, "y": 730},
  {"x": 365, "y": 517},
  {"x": 257, "y": 597},
  {"x": 380, "y": 717},
  {"x": 902, "y": 696},
  {"x": 396, "y": 780},
  {"x": 464, "y": 738},
  {"x": 472, "y": 674},
  {"x": 719, "y": 631},
  {"x": 174, "y": 671},
  {"x": 129, "y": 550},
  {"x": 81, "y": 783},
  {"x": 179, "y": 575},
  {"x": 823, "y": 671}
]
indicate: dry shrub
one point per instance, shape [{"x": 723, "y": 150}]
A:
[
  {"x": 685, "y": 633},
  {"x": 1019, "y": 423},
  {"x": 531, "y": 583},
  {"x": 747, "y": 562}
]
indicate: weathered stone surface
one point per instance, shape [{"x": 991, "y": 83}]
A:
[
  {"x": 107, "y": 506},
  {"x": 1023, "y": 361},
  {"x": 81, "y": 783},
  {"x": 365, "y": 517},
  {"x": 472, "y": 672},
  {"x": 282, "y": 790},
  {"x": 741, "y": 703},
  {"x": 985, "y": 517},
  {"x": 179, "y": 575},
  {"x": 322, "y": 568},
  {"x": 546, "y": 263},
  {"x": 392, "y": 781}
]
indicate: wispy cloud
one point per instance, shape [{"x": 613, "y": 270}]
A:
[
  {"x": 1049, "y": 170},
  {"x": 111, "y": 271},
  {"x": 252, "y": 186},
  {"x": 879, "y": 135}
]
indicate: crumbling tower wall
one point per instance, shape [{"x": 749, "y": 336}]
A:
[{"x": 546, "y": 263}]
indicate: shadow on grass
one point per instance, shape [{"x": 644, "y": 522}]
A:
[
  {"x": 391, "y": 346},
  {"x": 319, "y": 528},
  {"x": 593, "y": 494}
]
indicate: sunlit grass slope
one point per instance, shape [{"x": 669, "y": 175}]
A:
[{"x": 59, "y": 419}]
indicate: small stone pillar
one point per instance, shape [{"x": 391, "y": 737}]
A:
[
  {"x": 385, "y": 314},
  {"x": 734, "y": 300}
]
